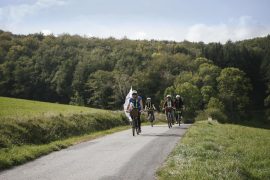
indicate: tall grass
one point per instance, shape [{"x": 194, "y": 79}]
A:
[
  {"x": 41, "y": 130},
  {"x": 211, "y": 150}
]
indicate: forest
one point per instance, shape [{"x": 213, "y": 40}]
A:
[{"x": 229, "y": 82}]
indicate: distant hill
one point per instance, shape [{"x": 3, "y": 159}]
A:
[{"x": 99, "y": 72}]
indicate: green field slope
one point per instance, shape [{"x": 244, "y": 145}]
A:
[{"x": 20, "y": 108}]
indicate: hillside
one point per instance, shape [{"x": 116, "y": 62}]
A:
[
  {"x": 99, "y": 72},
  {"x": 23, "y": 109}
]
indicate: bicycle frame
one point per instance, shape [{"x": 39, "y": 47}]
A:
[
  {"x": 169, "y": 116},
  {"x": 135, "y": 123}
]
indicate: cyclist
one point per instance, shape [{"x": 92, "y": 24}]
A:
[
  {"x": 168, "y": 105},
  {"x": 179, "y": 105},
  {"x": 150, "y": 108},
  {"x": 136, "y": 102}
]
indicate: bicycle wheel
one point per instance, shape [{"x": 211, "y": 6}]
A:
[
  {"x": 137, "y": 126},
  {"x": 133, "y": 127},
  {"x": 178, "y": 118},
  {"x": 171, "y": 123},
  {"x": 152, "y": 119},
  {"x": 169, "y": 119}
]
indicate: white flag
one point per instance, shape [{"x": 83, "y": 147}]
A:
[{"x": 129, "y": 95}]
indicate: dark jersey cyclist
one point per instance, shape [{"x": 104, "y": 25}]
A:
[
  {"x": 179, "y": 105},
  {"x": 168, "y": 105},
  {"x": 136, "y": 102},
  {"x": 149, "y": 107}
]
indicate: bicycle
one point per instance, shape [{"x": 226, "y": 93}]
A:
[
  {"x": 134, "y": 113},
  {"x": 151, "y": 116},
  {"x": 169, "y": 116},
  {"x": 178, "y": 116}
]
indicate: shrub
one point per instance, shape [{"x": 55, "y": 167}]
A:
[
  {"x": 216, "y": 114},
  {"x": 201, "y": 116},
  {"x": 215, "y": 103},
  {"x": 41, "y": 130}
]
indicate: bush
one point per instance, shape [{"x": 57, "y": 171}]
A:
[
  {"x": 216, "y": 114},
  {"x": 215, "y": 103},
  {"x": 201, "y": 116},
  {"x": 188, "y": 120},
  {"x": 41, "y": 130}
]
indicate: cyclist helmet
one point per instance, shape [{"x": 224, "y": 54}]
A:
[
  {"x": 148, "y": 99},
  {"x": 134, "y": 92},
  {"x": 177, "y": 96},
  {"x": 168, "y": 96}
]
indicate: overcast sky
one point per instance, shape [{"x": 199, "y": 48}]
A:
[{"x": 193, "y": 20}]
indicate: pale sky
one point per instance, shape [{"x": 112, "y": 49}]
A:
[{"x": 178, "y": 20}]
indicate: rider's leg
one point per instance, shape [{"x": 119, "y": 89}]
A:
[{"x": 148, "y": 115}]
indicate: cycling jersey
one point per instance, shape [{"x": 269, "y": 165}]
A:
[
  {"x": 136, "y": 102},
  {"x": 168, "y": 104},
  {"x": 178, "y": 104},
  {"x": 149, "y": 105}
]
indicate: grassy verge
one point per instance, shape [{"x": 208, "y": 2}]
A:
[
  {"x": 42, "y": 130},
  {"x": 220, "y": 151},
  {"x": 16, "y": 155}
]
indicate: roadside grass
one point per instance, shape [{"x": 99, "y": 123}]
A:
[
  {"x": 16, "y": 155},
  {"x": 210, "y": 150}
]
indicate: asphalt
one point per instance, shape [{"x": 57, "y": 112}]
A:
[{"x": 118, "y": 156}]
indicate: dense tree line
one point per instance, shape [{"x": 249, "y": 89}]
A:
[{"x": 220, "y": 79}]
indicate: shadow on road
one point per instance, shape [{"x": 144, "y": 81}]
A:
[
  {"x": 182, "y": 126},
  {"x": 162, "y": 135}
]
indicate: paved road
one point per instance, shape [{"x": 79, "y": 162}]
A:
[{"x": 117, "y": 156}]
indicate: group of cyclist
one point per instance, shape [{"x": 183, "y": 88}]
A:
[{"x": 170, "y": 105}]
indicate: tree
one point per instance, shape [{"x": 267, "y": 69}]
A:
[
  {"x": 234, "y": 88},
  {"x": 215, "y": 103},
  {"x": 122, "y": 84},
  {"x": 62, "y": 80},
  {"x": 209, "y": 73},
  {"x": 60, "y": 68},
  {"x": 100, "y": 85},
  {"x": 207, "y": 93}
]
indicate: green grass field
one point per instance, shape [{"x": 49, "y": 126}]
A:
[
  {"x": 220, "y": 151},
  {"x": 29, "y": 129},
  {"x": 20, "y": 108}
]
